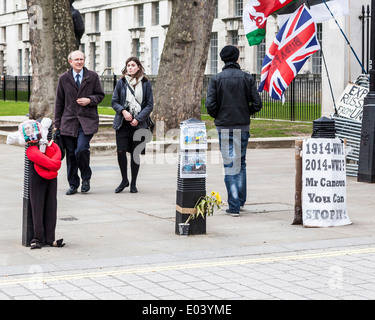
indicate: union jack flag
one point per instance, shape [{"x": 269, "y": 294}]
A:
[{"x": 294, "y": 44}]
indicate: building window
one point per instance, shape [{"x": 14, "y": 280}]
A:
[
  {"x": 213, "y": 53},
  {"x": 238, "y": 8},
  {"x": 27, "y": 61},
  {"x": 108, "y": 52},
  {"x": 5, "y": 6},
  {"x": 233, "y": 37},
  {"x": 260, "y": 55},
  {"x": 136, "y": 48},
  {"x": 20, "y": 32},
  {"x": 317, "y": 56},
  {"x": 3, "y": 35},
  {"x": 217, "y": 9},
  {"x": 108, "y": 19},
  {"x": 140, "y": 15},
  {"x": 155, "y": 13},
  {"x": 1, "y": 62},
  {"x": 93, "y": 56},
  {"x": 20, "y": 61},
  {"x": 96, "y": 21},
  {"x": 154, "y": 55}
]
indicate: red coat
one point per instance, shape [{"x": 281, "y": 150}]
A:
[
  {"x": 45, "y": 164},
  {"x": 68, "y": 113}
]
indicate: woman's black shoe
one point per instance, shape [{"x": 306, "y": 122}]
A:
[
  {"x": 35, "y": 245},
  {"x": 121, "y": 187},
  {"x": 133, "y": 189}
]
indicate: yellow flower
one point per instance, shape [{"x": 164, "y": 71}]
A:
[
  {"x": 206, "y": 205},
  {"x": 218, "y": 199}
]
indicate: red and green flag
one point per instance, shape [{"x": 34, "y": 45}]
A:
[
  {"x": 256, "y": 12},
  {"x": 255, "y": 16}
]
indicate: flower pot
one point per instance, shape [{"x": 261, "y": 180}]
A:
[{"x": 183, "y": 229}]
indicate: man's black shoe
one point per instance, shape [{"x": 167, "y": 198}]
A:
[
  {"x": 71, "y": 191},
  {"x": 85, "y": 186},
  {"x": 233, "y": 213}
]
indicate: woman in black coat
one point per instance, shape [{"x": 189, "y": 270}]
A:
[{"x": 133, "y": 102}]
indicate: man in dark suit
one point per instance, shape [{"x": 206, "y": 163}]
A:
[{"x": 76, "y": 115}]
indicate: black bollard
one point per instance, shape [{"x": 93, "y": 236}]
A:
[
  {"x": 190, "y": 189},
  {"x": 366, "y": 162},
  {"x": 188, "y": 193},
  {"x": 324, "y": 128}
]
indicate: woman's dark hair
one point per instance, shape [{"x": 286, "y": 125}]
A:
[{"x": 140, "y": 72}]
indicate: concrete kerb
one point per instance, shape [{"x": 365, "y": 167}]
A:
[
  {"x": 10, "y": 123},
  {"x": 213, "y": 144}
]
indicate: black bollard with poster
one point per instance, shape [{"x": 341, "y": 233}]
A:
[{"x": 191, "y": 175}]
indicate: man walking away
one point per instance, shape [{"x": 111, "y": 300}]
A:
[{"x": 232, "y": 97}]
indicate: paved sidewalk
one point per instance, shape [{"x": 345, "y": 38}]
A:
[
  {"x": 339, "y": 273},
  {"x": 123, "y": 246}
]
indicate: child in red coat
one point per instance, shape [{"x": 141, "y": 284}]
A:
[{"x": 45, "y": 161}]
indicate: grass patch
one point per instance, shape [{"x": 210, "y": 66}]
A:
[
  {"x": 275, "y": 128},
  {"x": 106, "y": 111},
  {"x": 106, "y": 101},
  {"x": 260, "y": 128},
  {"x": 12, "y": 108}
]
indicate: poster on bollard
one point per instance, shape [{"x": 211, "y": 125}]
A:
[
  {"x": 193, "y": 164},
  {"x": 324, "y": 183},
  {"x": 193, "y": 136}
]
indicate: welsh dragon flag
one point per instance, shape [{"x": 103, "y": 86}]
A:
[{"x": 255, "y": 16}]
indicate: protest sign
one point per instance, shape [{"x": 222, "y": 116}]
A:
[
  {"x": 350, "y": 104},
  {"x": 324, "y": 183}
]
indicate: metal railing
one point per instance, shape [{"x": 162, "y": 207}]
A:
[{"x": 302, "y": 98}]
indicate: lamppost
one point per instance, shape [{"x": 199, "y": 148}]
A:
[{"x": 366, "y": 163}]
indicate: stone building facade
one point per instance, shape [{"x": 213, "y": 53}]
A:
[{"x": 117, "y": 29}]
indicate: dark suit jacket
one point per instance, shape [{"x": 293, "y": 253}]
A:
[{"x": 68, "y": 113}]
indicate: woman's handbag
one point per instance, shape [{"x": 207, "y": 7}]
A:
[{"x": 58, "y": 139}]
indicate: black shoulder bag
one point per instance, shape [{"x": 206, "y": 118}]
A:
[
  {"x": 150, "y": 123},
  {"x": 58, "y": 139}
]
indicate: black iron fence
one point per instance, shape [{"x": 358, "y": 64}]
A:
[
  {"x": 15, "y": 88},
  {"x": 302, "y": 98}
]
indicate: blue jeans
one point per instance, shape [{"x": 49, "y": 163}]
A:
[{"x": 233, "y": 146}]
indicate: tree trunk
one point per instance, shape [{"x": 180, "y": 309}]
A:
[
  {"x": 177, "y": 93},
  {"x": 51, "y": 38}
]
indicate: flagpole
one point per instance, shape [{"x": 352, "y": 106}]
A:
[
  {"x": 366, "y": 163},
  {"x": 347, "y": 41}
]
